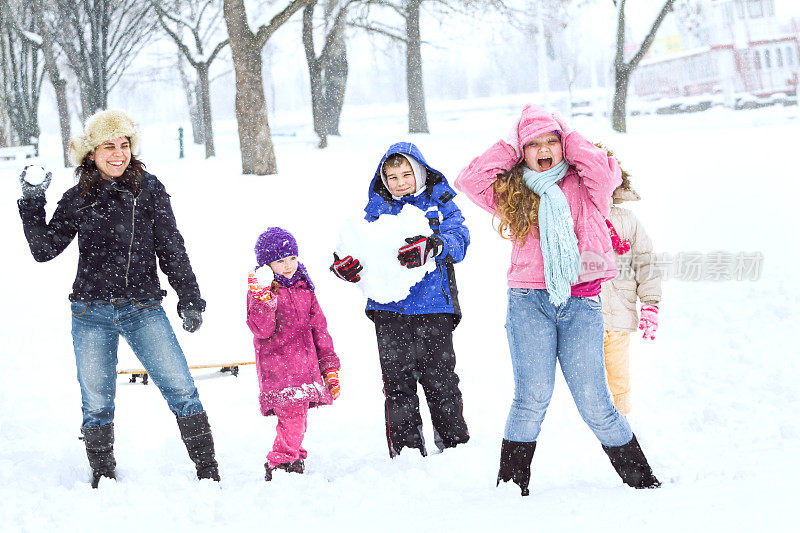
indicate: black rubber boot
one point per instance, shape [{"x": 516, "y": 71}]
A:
[
  {"x": 196, "y": 435},
  {"x": 631, "y": 465},
  {"x": 99, "y": 443},
  {"x": 515, "y": 463}
]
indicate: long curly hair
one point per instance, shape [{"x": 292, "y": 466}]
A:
[
  {"x": 88, "y": 175},
  {"x": 517, "y": 206}
]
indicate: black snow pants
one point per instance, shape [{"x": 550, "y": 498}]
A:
[{"x": 419, "y": 348}]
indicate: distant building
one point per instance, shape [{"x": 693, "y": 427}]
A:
[{"x": 729, "y": 47}]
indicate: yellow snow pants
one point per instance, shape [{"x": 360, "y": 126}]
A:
[{"x": 617, "y": 354}]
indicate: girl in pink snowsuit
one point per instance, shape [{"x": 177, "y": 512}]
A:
[{"x": 296, "y": 365}]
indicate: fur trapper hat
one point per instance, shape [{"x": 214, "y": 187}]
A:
[
  {"x": 101, "y": 127},
  {"x": 625, "y": 192}
]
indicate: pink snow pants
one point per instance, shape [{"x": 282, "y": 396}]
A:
[{"x": 291, "y": 429}]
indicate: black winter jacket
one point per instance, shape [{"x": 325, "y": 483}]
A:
[{"x": 119, "y": 238}]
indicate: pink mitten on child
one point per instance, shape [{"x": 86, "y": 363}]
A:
[
  {"x": 621, "y": 246},
  {"x": 648, "y": 321}
]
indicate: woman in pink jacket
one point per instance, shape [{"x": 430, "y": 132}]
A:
[
  {"x": 551, "y": 189},
  {"x": 295, "y": 362}
]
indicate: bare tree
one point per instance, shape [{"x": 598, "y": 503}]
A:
[
  {"x": 187, "y": 18},
  {"x": 410, "y": 34},
  {"x": 54, "y": 74},
  {"x": 409, "y": 11},
  {"x": 5, "y": 126},
  {"x": 191, "y": 91},
  {"x": 100, "y": 38},
  {"x": 255, "y": 139},
  {"x": 623, "y": 69},
  {"x": 21, "y": 70},
  {"x": 328, "y": 70}
]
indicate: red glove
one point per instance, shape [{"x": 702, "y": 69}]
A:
[
  {"x": 419, "y": 250},
  {"x": 331, "y": 378},
  {"x": 346, "y": 268},
  {"x": 263, "y": 294},
  {"x": 649, "y": 321}
]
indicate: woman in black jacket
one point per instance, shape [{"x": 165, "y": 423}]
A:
[{"x": 124, "y": 221}]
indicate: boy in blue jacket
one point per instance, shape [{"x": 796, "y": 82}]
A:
[{"x": 415, "y": 335}]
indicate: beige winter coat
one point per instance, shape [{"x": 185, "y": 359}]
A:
[{"x": 638, "y": 275}]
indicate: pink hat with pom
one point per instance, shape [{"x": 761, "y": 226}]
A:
[{"x": 535, "y": 121}]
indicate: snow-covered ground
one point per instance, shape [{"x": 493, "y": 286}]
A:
[{"x": 716, "y": 396}]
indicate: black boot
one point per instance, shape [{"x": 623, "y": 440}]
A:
[
  {"x": 631, "y": 465},
  {"x": 99, "y": 443},
  {"x": 515, "y": 463},
  {"x": 196, "y": 435}
]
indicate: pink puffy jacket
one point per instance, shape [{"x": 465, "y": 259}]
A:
[
  {"x": 293, "y": 348},
  {"x": 590, "y": 180}
]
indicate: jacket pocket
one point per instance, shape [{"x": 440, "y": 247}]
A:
[
  {"x": 146, "y": 303},
  {"x": 593, "y": 302},
  {"x": 514, "y": 291},
  {"x": 79, "y": 308}
]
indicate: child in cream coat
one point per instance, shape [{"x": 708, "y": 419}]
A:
[{"x": 638, "y": 279}]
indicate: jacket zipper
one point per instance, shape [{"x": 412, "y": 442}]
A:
[
  {"x": 133, "y": 232},
  {"x": 86, "y": 207},
  {"x": 441, "y": 283}
]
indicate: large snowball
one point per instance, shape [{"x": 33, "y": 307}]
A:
[
  {"x": 375, "y": 245},
  {"x": 34, "y": 174}
]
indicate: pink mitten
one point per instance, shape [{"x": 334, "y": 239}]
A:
[
  {"x": 621, "y": 246},
  {"x": 648, "y": 321},
  {"x": 512, "y": 138},
  {"x": 565, "y": 130}
]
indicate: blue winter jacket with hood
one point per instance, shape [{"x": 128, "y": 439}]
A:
[{"x": 437, "y": 291}]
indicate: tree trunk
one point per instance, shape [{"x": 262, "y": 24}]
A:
[
  {"x": 205, "y": 108},
  {"x": 258, "y": 153},
  {"x": 619, "y": 112},
  {"x": 192, "y": 93},
  {"x": 417, "y": 117},
  {"x": 59, "y": 84},
  {"x": 315, "y": 76},
  {"x": 335, "y": 80},
  {"x": 624, "y": 70}
]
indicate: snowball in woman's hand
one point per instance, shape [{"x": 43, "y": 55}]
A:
[{"x": 35, "y": 174}]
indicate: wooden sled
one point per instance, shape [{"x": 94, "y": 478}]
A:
[{"x": 233, "y": 368}]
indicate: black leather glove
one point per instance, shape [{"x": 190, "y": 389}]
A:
[
  {"x": 346, "y": 268},
  {"x": 419, "y": 250},
  {"x": 33, "y": 190},
  {"x": 192, "y": 320}
]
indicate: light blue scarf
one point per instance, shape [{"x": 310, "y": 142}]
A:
[{"x": 556, "y": 232}]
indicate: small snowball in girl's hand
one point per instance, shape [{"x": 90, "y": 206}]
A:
[
  {"x": 265, "y": 275},
  {"x": 34, "y": 174}
]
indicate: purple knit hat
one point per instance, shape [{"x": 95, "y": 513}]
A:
[{"x": 273, "y": 244}]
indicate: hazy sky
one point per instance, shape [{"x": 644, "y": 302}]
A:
[{"x": 790, "y": 8}]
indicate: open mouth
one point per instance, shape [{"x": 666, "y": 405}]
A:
[{"x": 545, "y": 163}]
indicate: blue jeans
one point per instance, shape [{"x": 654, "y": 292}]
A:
[
  {"x": 96, "y": 327},
  {"x": 540, "y": 333}
]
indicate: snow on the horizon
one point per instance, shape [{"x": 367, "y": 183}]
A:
[
  {"x": 375, "y": 245},
  {"x": 715, "y": 396}
]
